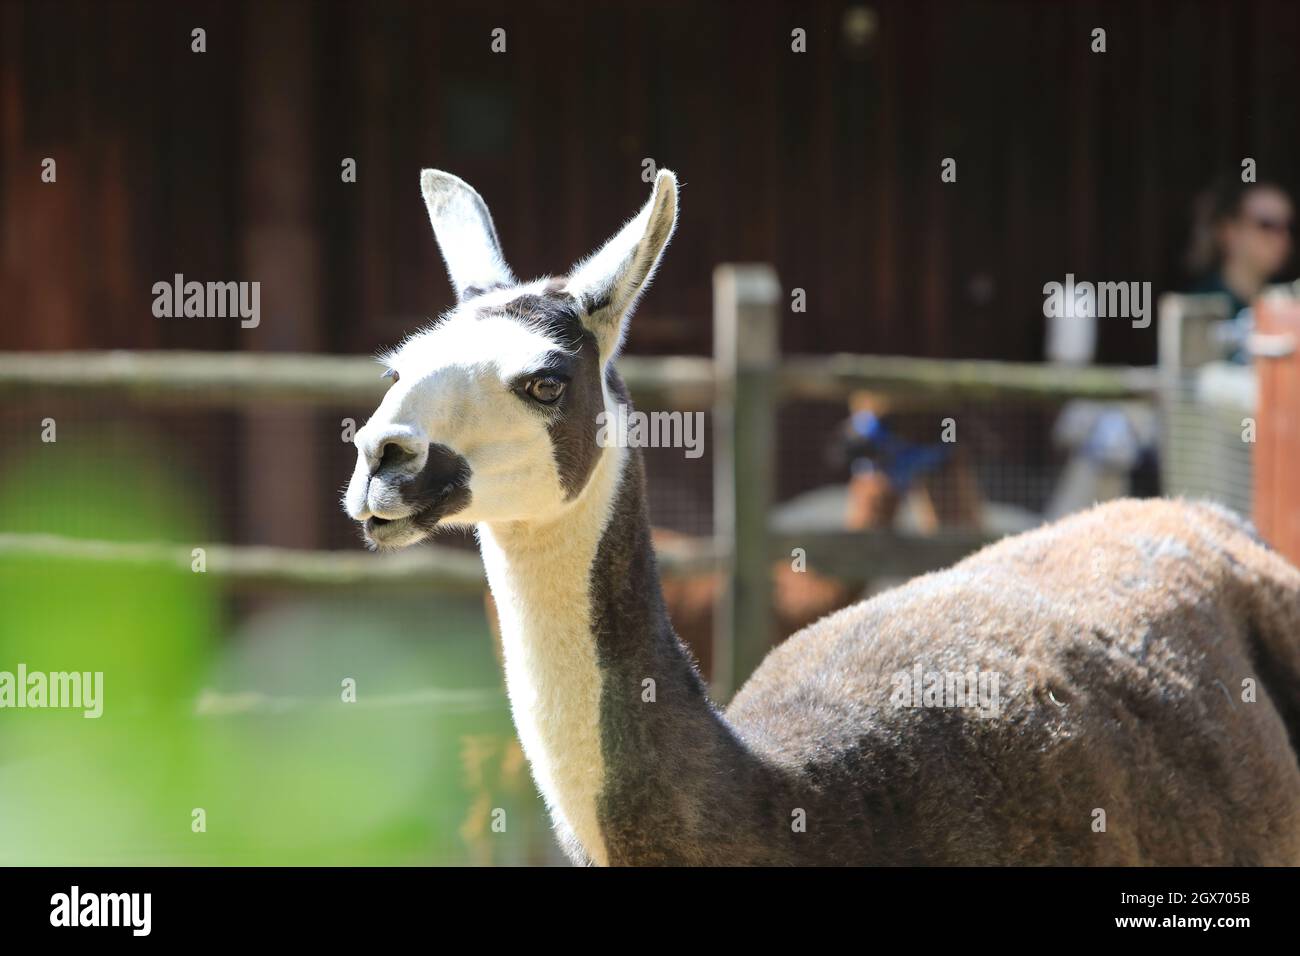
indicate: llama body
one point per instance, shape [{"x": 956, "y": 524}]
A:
[{"x": 1120, "y": 638}]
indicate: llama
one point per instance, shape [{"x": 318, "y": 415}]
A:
[{"x": 1144, "y": 656}]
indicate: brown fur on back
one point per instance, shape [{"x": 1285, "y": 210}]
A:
[{"x": 1121, "y": 637}]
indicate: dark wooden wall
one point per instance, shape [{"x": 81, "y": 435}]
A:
[
  {"x": 825, "y": 163},
  {"x": 225, "y": 165}
]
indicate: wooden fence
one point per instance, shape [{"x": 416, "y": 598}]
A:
[
  {"x": 1277, "y": 456},
  {"x": 743, "y": 384}
]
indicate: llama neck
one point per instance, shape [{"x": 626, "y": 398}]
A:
[{"x": 633, "y": 760}]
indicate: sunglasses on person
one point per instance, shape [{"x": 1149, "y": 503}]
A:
[{"x": 1279, "y": 225}]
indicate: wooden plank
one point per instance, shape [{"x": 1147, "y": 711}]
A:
[
  {"x": 202, "y": 378},
  {"x": 833, "y": 377},
  {"x": 431, "y": 568},
  {"x": 445, "y": 570},
  {"x": 252, "y": 378},
  {"x": 746, "y": 334},
  {"x": 852, "y": 556},
  {"x": 679, "y": 382}
]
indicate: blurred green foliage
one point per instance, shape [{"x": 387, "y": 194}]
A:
[{"x": 240, "y": 715}]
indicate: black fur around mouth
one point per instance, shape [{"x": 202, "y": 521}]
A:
[
  {"x": 439, "y": 490},
  {"x": 447, "y": 502}
]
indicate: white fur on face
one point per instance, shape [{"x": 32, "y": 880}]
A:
[{"x": 454, "y": 389}]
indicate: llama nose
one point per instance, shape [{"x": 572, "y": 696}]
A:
[{"x": 389, "y": 451}]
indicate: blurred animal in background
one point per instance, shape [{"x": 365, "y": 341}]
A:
[{"x": 897, "y": 459}]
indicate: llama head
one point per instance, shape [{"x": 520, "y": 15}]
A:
[{"x": 492, "y": 415}]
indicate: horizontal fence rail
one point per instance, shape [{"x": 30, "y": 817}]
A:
[
  {"x": 851, "y": 556},
  {"x": 446, "y": 569},
  {"x": 431, "y": 567},
  {"x": 444, "y": 700},
  {"x": 241, "y": 378},
  {"x": 688, "y": 382},
  {"x": 834, "y": 377}
]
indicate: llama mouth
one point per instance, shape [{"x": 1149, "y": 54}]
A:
[
  {"x": 391, "y": 533},
  {"x": 408, "y": 529},
  {"x": 375, "y": 524}
]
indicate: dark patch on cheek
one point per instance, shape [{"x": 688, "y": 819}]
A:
[
  {"x": 573, "y": 429},
  {"x": 573, "y": 434},
  {"x": 441, "y": 488}
]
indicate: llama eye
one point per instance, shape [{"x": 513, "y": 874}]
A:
[
  {"x": 392, "y": 374},
  {"x": 545, "y": 390}
]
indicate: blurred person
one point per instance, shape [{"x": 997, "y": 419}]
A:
[{"x": 1241, "y": 240}]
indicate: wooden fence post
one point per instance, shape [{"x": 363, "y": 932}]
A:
[
  {"x": 1276, "y": 350},
  {"x": 746, "y": 346}
]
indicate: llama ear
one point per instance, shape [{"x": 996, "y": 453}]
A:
[
  {"x": 466, "y": 236},
  {"x": 608, "y": 282}
]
